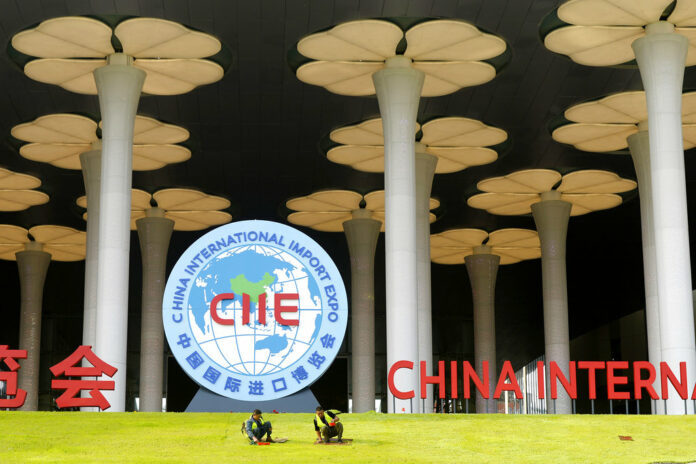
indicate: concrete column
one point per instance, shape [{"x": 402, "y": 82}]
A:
[
  {"x": 482, "y": 267},
  {"x": 119, "y": 85},
  {"x": 91, "y": 173},
  {"x": 154, "y": 232},
  {"x": 362, "y": 233},
  {"x": 661, "y": 56},
  {"x": 551, "y": 216},
  {"x": 33, "y": 264},
  {"x": 639, "y": 145},
  {"x": 398, "y": 89},
  {"x": 425, "y": 171},
  {"x": 693, "y": 299}
]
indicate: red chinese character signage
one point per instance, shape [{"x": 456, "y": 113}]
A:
[
  {"x": 10, "y": 357},
  {"x": 70, "y": 367}
]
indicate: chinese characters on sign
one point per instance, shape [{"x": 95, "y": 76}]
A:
[
  {"x": 70, "y": 367},
  {"x": 10, "y": 357}
]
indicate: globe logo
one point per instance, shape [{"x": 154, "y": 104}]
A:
[
  {"x": 255, "y": 348},
  {"x": 255, "y": 310}
]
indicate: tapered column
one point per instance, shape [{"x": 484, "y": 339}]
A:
[
  {"x": 483, "y": 271},
  {"x": 639, "y": 145},
  {"x": 90, "y": 161},
  {"x": 398, "y": 89},
  {"x": 119, "y": 85},
  {"x": 33, "y": 264},
  {"x": 91, "y": 173},
  {"x": 362, "y": 233},
  {"x": 154, "y": 232},
  {"x": 661, "y": 56},
  {"x": 551, "y": 216},
  {"x": 425, "y": 170}
]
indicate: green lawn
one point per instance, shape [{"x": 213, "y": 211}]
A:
[{"x": 215, "y": 438}]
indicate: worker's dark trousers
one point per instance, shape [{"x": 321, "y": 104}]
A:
[
  {"x": 259, "y": 432},
  {"x": 328, "y": 431}
]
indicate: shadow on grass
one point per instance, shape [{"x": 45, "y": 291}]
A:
[{"x": 690, "y": 461}]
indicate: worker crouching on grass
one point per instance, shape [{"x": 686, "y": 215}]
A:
[
  {"x": 256, "y": 428},
  {"x": 327, "y": 425}
]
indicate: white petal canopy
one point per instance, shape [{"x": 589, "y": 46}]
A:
[
  {"x": 457, "y": 142},
  {"x": 600, "y": 32},
  {"x": 19, "y": 200},
  {"x": 449, "y": 52},
  {"x": 327, "y": 210},
  {"x": 59, "y": 139},
  {"x": 189, "y": 209},
  {"x": 511, "y": 245},
  {"x": 604, "y": 125},
  {"x": 63, "y": 243},
  {"x": 10, "y": 180},
  {"x": 587, "y": 190},
  {"x": 70, "y": 48}
]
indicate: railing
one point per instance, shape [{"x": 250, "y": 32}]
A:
[{"x": 531, "y": 404}]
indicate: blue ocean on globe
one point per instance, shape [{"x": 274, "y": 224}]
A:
[{"x": 254, "y": 348}]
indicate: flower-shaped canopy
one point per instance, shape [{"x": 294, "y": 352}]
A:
[
  {"x": 600, "y": 32},
  {"x": 514, "y": 194},
  {"x": 16, "y": 192},
  {"x": 59, "y": 139},
  {"x": 327, "y": 210},
  {"x": 604, "y": 125},
  {"x": 189, "y": 209},
  {"x": 10, "y": 180},
  {"x": 457, "y": 142},
  {"x": 70, "y": 48},
  {"x": 451, "y": 54},
  {"x": 63, "y": 243},
  {"x": 512, "y": 245}
]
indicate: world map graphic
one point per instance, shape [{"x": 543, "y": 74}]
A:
[{"x": 254, "y": 349}]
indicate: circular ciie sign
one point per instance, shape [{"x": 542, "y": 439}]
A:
[{"x": 255, "y": 310}]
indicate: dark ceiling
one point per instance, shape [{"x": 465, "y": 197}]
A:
[{"x": 255, "y": 139}]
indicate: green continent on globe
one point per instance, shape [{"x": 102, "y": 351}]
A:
[{"x": 240, "y": 285}]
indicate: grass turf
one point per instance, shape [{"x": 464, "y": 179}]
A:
[{"x": 201, "y": 438}]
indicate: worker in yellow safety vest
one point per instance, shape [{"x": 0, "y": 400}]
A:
[
  {"x": 256, "y": 428},
  {"x": 327, "y": 425}
]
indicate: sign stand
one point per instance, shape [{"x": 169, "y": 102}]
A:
[{"x": 206, "y": 401}]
